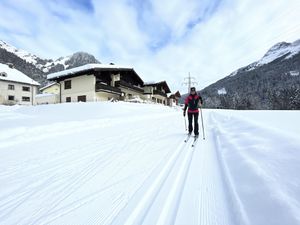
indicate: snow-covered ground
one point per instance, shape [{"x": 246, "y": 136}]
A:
[{"x": 127, "y": 163}]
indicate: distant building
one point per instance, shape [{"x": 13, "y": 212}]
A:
[
  {"x": 174, "y": 99},
  {"x": 98, "y": 82},
  {"x": 16, "y": 87},
  {"x": 49, "y": 95},
  {"x": 157, "y": 92},
  {"x": 52, "y": 88}
]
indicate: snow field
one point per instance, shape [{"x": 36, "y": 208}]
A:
[
  {"x": 77, "y": 169},
  {"x": 262, "y": 169},
  {"x": 126, "y": 163}
]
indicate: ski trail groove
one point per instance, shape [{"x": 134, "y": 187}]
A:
[
  {"x": 115, "y": 169},
  {"x": 204, "y": 197},
  {"x": 168, "y": 214},
  {"x": 138, "y": 214},
  {"x": 234, "y": 200}
]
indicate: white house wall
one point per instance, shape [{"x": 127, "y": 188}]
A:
[
  {"x": 18, "y": 93},
  {"x": 131, "y": 93},
  {"x": 54, "y": 89},
  {"x": 159, "y": 97},
  {"x": 103, "y": 96},
  {"x": 81, "y": 85},
  {"x": 47, "y": 99}
]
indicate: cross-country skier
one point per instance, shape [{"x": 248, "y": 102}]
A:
[{"x": 193, "y": 102}]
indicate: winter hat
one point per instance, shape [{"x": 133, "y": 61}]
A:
[{"x": 193, "y": 89}]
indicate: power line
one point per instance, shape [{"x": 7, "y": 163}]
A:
[{"x": 189, "y": 81}]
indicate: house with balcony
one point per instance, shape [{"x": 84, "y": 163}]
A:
[
  {"x": 16, "y": 87},
  {"x": 98, "y": 82},
  {"x": 174, "y": 99},
  {"x": 157, "y": 92}
]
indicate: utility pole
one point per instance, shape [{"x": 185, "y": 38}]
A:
[{"x": 189, "y": 81}]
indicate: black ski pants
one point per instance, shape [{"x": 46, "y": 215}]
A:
[{"x": 196, "y": 125}]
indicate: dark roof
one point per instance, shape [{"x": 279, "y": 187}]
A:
[
  {"x": 162, "y": 84},
  {"x": 176, "y": 95},
  {"x": 88, "y": 69}
]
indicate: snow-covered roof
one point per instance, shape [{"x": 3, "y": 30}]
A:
[
  {"x": 49, "y": 85},
  {"x": 160, "y": 83},
  {"x": 84, "y": 68},
  {"x": 153, "y": 83},
  {"x": 149, "y": 83},
  {"x": 44, "y": 95},
  {"x": 12, "y": 74}
]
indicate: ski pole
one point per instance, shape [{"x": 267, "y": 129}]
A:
[
  {"x": 202, "y": 124},
  {"x": 185, "y": 122}
]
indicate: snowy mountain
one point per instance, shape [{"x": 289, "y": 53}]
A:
[
  {"x": 281, "y": 49},
  {"x": 36, "y": 67},
  {"x": 273, "y": 82},
  {"x": 288, "y": 50}
]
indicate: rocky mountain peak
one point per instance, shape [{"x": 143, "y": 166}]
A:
[
  {"x": 278, "y": 46},
  {"x": 281, "y": 49},
  {"x": 79, "y": 59}
]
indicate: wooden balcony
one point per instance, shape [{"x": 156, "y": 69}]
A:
[
  {"x": 107, "y": 88},
  {"x": 122, "y": 83},
  {"x": 157, "y": 92}
]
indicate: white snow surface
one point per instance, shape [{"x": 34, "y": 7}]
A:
[
  {"x": 127, "y": 163},
  {"x": 294, "y": 73},
  {"x": 44, "y": 95},
  {"x": 15, "y": 75},
  {"x": 83, "y": 68},
  {"x": 62, "y": 61},
  {"x": 222, "y": 91}
]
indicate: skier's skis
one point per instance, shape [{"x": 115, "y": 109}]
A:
[
  {"x": 195, "y": 141},
  {"x": 187, "y": 138}
]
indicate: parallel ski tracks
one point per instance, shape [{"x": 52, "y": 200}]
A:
[
  {"x": 66, "y": 182},
  {"x": 180, "y": 162},
  {"x": 188, "y": 190}
]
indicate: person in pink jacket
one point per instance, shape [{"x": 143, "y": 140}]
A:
[{"x": 192, "y": 104}]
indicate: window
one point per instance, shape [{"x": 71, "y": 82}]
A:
[
  {"x": 26, "y": 99},
  {"x": 68, "y": 99},
  {"x": 3, "y": 74},
  {"x": 81, "y": 98},
  {"x": 24, "y": 88},
  {"x": 11, "y": 98},
  {"x": 68, "y": 84},
  {"x": 11, "y": 87}
]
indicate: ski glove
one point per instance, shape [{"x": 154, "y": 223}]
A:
[{"x": 184, "y": 113}]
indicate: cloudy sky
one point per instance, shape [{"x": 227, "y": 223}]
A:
[{"x": 160, "y": 39}]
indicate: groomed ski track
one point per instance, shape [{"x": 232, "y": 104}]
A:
[
  {"x": 188, "y": 189},
  {"x": 134, "y": 168},
  {"x": 139, "y": 181}
]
